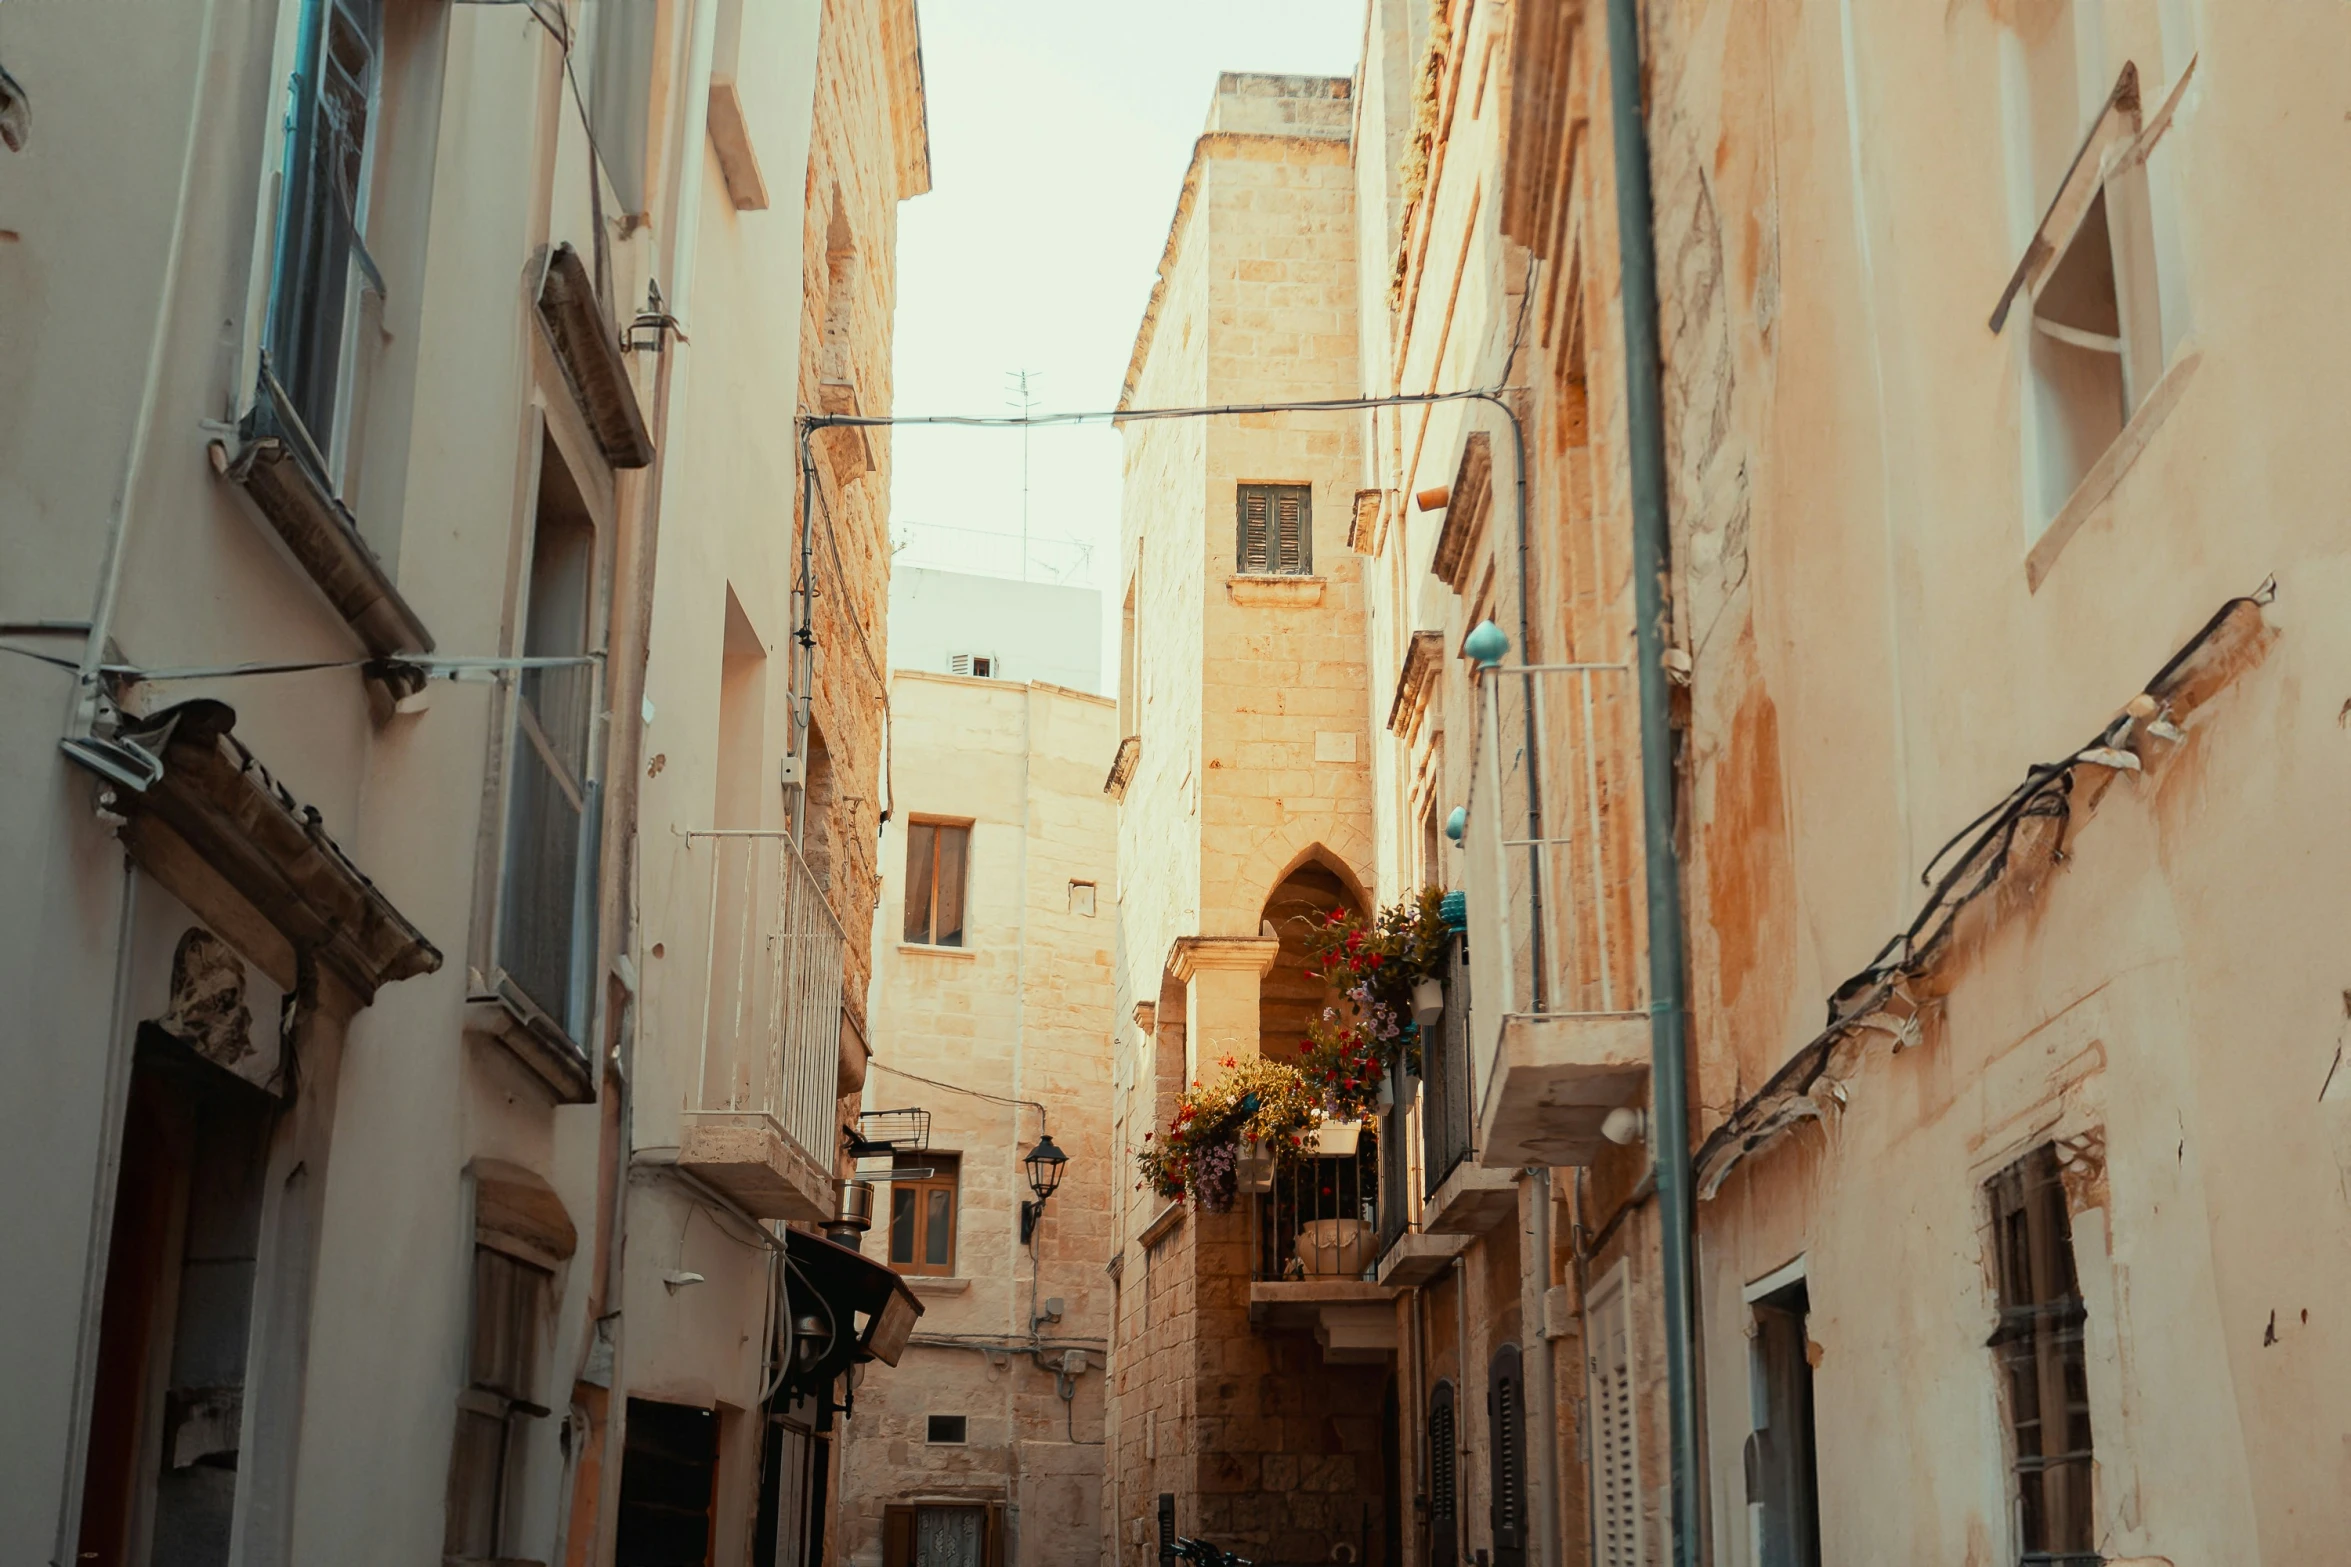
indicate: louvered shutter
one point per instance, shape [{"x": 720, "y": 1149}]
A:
[
  {"x": 1615, "y": 1455},
  {"x": 1254, "y": 549},
  {"x": 1444, "y": 1527},
  {"x": 1506, "y": 1420},
  {"x": 1289, "y": 516}
]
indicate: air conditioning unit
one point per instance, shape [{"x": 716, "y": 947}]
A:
[{"x": 982, "y": 665}]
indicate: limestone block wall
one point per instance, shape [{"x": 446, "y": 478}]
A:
[{"x": 1017, "y": 1021}]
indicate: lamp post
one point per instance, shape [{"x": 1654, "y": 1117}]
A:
[{"x": 1044, "y": 1164}]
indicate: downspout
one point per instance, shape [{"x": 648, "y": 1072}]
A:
[
  {"x": 1543, "y": 1407},
  {"x": 1668, "y": 1045}
]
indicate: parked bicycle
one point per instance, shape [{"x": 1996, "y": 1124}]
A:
[{"x": 1201, "y": 1554}]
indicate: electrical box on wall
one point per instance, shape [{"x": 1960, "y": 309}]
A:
[{"x": 791, "y": 771}]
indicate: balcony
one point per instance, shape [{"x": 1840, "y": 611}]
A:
[
  {"x": 1317, "y": 1228},
  {"x": 760, "y": 1121},
  {"x": 1555, "y": 908}
]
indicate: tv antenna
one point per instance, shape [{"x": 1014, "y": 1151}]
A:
[{"x": 1024, "y": 401}]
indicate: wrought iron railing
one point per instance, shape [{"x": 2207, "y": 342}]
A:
[
  {"x": 771, "y": 1001},
  {"x": 1555, "y": 805},
  {"x": 1320, "y": 1218}
]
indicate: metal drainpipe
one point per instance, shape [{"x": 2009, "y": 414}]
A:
[
  {"x": 1543, "y": 1407},
  {"x": 1668, "y": 1044}
]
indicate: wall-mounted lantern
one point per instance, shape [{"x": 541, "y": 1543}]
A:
[{"x": 1044, "y": 1163}]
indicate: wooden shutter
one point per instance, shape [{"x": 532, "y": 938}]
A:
[
  {"x": 2040, "y": 1348},
  {"x": 897, "y": 1537},
  {"x": 1616, "y": 1499},
  {"x": 1254, "y": 549},
  {"x": 1289, "y": 516},
  {"x": 1506, "y": 1423},
  {"x": 992, "y": 1546},
  {"x": 1444, "y": 1453}
]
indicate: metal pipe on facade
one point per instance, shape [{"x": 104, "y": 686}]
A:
[
  {"x": 1543, "y": 1407},
  {"x": 1668, "y": 1042}
]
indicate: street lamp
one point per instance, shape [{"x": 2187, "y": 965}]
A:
[{"x": 1044, "y": 1164}]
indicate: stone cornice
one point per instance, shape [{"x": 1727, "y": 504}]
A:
[{"x": 1194, "y": 954}]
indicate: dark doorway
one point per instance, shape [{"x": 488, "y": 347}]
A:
[
  {"x": 788, "y": 1486},
  {"x": 668, "y": 1485},
  {"x": 1781, "y": 1478},
  {"x": 167, "y": 1408}
]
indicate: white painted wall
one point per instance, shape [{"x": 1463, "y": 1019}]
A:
[{"x": 1039, "y": 630}]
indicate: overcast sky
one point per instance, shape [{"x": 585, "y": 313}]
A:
[{"x": 1060, "y": 130}]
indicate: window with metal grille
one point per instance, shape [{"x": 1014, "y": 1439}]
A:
[
  {"x": 1616, "y": 1468},
  {"x": 2038, "y": 1346},
  {"x": 1506, "y": 1421},
  {"x": 307, "y": 329},
  {"x": 546, "y": 944},
  {"x": 922, "y": 1215},
  {"x": 1444, "y": 1456},
  {"x": 1444, "y": 1065},
  {"x": 1276, "y": 530},
  {"x": 937, "y": 855},
  {"x": 485, "y": 1460}
]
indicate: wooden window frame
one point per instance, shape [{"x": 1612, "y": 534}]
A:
[
  {"x": 2038, "y": 1347},
  {"x": 497, "y": 1395},
  {"x": 936, "y": 829},
  {"x": 1259, "y": 550},
  {"x": 946, "y": 1176}
]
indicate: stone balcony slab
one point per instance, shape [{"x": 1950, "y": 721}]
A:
[
  {"x": 1298, "y": 1304},
  {"x": 1553, "y": 1081},
  {"x": 758, "y": 1167},
  {"x": 1474, "y": 1199},
  {"x": 1415, "y": 1258}
]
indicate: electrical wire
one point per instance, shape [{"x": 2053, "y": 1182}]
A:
[
  {"x": 1123, "y": 415},
  {"x": 958, "y": 1088}
]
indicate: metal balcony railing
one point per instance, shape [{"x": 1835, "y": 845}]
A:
[
  {"x": 1321, "y": 1217},
  {"x": 1555, "y": 799},
  {"x": 1447, "y": 1110},
  {"x": 771, "y": 1001}
]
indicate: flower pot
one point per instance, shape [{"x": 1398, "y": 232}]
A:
[
  {"x": 1428, "y": 1002},
  {"x": 1332, "y": 1248},
  {"x": 1335, "y": 1139},
  {"x": 1252, "y": 1168}
]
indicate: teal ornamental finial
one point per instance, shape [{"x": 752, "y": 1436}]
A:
[{"x": 1486, "y": 645}]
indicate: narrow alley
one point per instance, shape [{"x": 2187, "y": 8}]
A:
[{"x": 1403, "y": 783}]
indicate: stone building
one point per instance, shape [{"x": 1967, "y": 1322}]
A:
[
  {"x": 1244, "y": 809},
  {"x": 990, "y": 1014},
  {"x": 397, "y": 394}
]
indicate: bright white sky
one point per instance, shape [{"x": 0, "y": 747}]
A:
[{"x": 1060, "y": 130}]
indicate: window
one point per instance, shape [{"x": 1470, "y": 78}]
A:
[
  {"x": 485, "y": 1461},
  {"x": 1081, "y": 898},
  {"x": 308, "y": 326},
  {"x": 1276, "y": 530},
  {"x": 936, "y": 856},
  {"x": 2094, "y": 305},
  {"x": 922, "y": 1214},
  {"x": 1783, "y": 1493},
  {"x": 1506, "y": 1425},
  {"x": 546, "y": 943},
  {"x": 944, "y": 1429},
  {"x": 2038, "y": 1346},
  {"x": 983, "y": 665},
  {"x": 1444, "y": 1508}
]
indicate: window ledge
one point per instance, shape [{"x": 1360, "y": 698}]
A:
[
  {"x": 531, "y": 1037},
  {"x": 323, "y": 537},
  {"x": 924, "y": 949},
  {"x": 1277, "y": 592},
  {"x": 2098, "y": 484},
  {"x": 932, "y": 1284},
  {"x": 1162, "y": 1225}
]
